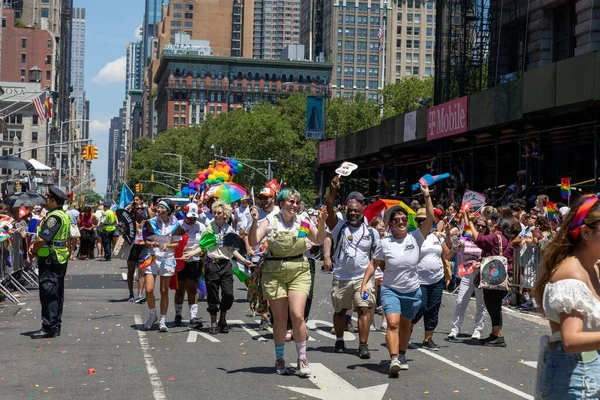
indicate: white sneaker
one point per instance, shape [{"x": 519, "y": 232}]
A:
[
  {"x": 303, "y": 369},
  {"x": 451, "y": 336},
  {"x": 151, "y": 320},
  {"x": 383, "y": 327},
  {"x": 372, "y": 328},
  {"x": 162, "y": 326},
  {"x": 394, "y": 368},
  {"x": 476, "y": 335}
]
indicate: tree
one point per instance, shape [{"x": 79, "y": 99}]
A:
[
  {"x": 344, "y": 116},
  {"x": 404, "y": 96},
  {"x": 91, "y": 197}
]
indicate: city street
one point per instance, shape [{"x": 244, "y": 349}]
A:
[{"x": 103, "y": 354}]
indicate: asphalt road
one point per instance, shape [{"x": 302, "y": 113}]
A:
[{"x": 103, "y": 354}]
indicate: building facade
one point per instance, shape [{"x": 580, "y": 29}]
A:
[
  {"x": 27, "y": 53},
  {"x": 276, "y": 25},
  {"x": 41, "y": 14},
  {"x": 78, "y": 61},
  {"x": 189, "y": 87},
  {"x": 114, "y": 138},
  {"x": 311, "y": 28},
  {"x": 134, "y": 66}
]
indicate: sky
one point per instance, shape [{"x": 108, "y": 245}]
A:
[{"x": 110, "y": 26}]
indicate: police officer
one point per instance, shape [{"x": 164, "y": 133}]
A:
[
  {"x": 107, "y": 228},
  {"x": 52, "y": 252}
]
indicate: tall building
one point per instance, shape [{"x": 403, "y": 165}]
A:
[
  {"x": 41, "y": 14},
  {"x": 78, "y": 61},
  {"x": 134, "y": 66},
  {"x": 276, "y": 24},
  {"x": 352, "y": 40},
  {"x": 153, "y": 13},
  {"x": 114, "y": 134},
  {"x": 311, "y": 28}
]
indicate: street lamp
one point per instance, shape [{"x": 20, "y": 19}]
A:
[
  {"x": 60, "y": 145},
  {"x": 180, "y": 160}
]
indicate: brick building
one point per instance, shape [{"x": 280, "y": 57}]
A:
[
  {"x": 27, "y": 53},
  {"x": 189, "y": 87}
]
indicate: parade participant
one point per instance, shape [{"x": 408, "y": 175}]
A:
[
  {"x": 431, "y": 279},
  {"x": 468, "y": 257},
  {"x": 206, "y": 217},
  {"x": 353, "y": 243},
  {"x": 190, "y": 275},
  {"x": 74, "y": 234},
  {"x": 159, "y": 238},
  {"x": 569, "y": 366},
  {"x": 138, "y": 201},
  {"x": 137, "y": 252},
  {"x": 496, "y": 243},
  {"x": 107, "y": 228},
  {"x": 398, "y": 257},
  {"x": 87, "y": 228},
  {"x": 50, "y": 246},
  {"x": 241, "y": 217},
  {"x": 218, "y": 268},
  {"x": 99, "y": 247},
  {"x": 378, "y": 224},
  {"x": 286, "y": 279}
]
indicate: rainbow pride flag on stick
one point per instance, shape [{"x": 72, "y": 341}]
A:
[
  {"x": 552, "y": 211},
  {"x": 467, "y": 232},
  {"x": 304, "y": 229},
  {"x": 565, "y": 188}
]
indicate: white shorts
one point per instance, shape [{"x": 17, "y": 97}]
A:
[
  {"x": 164, "y": 267},
  {"x": 74, "y": 231}
]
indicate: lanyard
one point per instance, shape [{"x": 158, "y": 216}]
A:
[{"x": 350, "y": 237}]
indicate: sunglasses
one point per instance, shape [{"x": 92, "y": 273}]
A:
[
  {"x": 398, "y": 220},
  {"x": 481, "y": 226}
]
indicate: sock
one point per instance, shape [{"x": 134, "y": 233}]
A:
[
  {"x": 301, "y": 350},
  {"x": 339, "y": 339},
  {"x": 163, "y": 319},
  {"x": 153, "y": 312},
  {"x": 178, "y": 308},
  {"x": 193, "y": 311},
  {"x": 279, "y": 350}
]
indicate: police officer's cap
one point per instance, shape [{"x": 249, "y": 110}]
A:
[{"x": 57, "y": 193}]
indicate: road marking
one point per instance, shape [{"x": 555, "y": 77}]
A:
[
  {"x": 193, "y": 335},
  {"x": 157, "y": 388},
  {"x": 255, "y": 335},
  {"x": 333, "y": 387},
  {"x": 313, "y": 326},
  {"x": 270, "y": 329},
  {"x": 124, "y": 276},
  {"x": 532, "y": 364}
]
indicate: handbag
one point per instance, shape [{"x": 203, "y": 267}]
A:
[{"x": 493, "y": 272}]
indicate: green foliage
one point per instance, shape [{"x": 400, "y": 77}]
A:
[
  {"x": 91, "y": 197},
  {"x": 404, "y": 96},
  {"x": 345, "y": 116}
]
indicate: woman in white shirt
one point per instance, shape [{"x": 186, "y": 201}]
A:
[
  {"x": 398, "y": 256},
  {"x": 569, "y": 289}
]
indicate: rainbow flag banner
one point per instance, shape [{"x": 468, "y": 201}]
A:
[
  {"x": 552, "y": 211},
  {"x": 304, "y": 229},
  {"x": 565, "y": 188},
  {"x": 467, "y": 232}
]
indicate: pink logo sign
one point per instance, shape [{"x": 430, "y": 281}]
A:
[
  {"x": 327, "y": 151},
  {"x": 447, "y": 119}
]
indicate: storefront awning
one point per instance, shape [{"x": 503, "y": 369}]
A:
[{"x": 39, "y": 166}]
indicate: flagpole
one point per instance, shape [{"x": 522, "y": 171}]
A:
[{"x": 383, "y": 59}]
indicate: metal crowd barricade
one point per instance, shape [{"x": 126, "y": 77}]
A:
[{"x": 13, "y": 267}]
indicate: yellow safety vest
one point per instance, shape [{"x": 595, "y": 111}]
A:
[
  {"x": 59, "y": 241},
  {"x": 109, "y": 221}
]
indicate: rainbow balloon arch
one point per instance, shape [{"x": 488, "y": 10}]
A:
[{"x": 223, "y": 172}]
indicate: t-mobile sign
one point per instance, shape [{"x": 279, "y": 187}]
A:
[{"x": 447, "y": 119}]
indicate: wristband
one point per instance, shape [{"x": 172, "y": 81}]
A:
[{"x": 426, "y": 197}]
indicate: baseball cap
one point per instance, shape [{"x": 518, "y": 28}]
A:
[
  {"x": 355, "y": 196},
  {"x": 268, "y": 192},
  {"x": 192, "y": 210}
]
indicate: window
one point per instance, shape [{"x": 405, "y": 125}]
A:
[
  {"x": 349, "y": 32},
  {"x": 349, "y": 58},
  {"x": 34, "y": 137},
  {"x": 399, "y": 17},
  {"x": 362, "y": 20},
  {"x": 409, "y": 17},
  {"x": 408, "y": 57},
  {"x": 430, "y": 5},
  {"x": 409, "y": 4},
  {"x": 373, "y": 59},
  {"x": 399, "y": 30},
  {"x": 563, "y": 32},
  {"x": 398, "y": 43},
  {"x": 23, "y": 43},
  {"x": 409, "y": 30},
  {"x": 176, "y": 6},
  {"x": 398, "y": 57},
  {"x": 183, "y": 121},
  {"x": 22, "y": 73},
  {"x": 361, "y": 71},
  {"x": 48, "y": 60},
  {"x": 409, "y": 44},
  {"x": 428, "y": 44},
  {"x": 176, "y": 108},
  {"x": 23, "y": 58},
  {"x": 417, "y": 31},
  {"x": 362, "y": 33},
  {"x": 339, "y": 57},
  {"x": 416, "y": 44},
  {"x": 363, "y": 7},
  {"x": 429, "y": 31},
  {"x": 34, "y": 153},
  {"x": 374, "y": 72},
  {"x": 361, "y": 84},
  {"x": 4, "y": 22},
  {"x": 417, "y": 18},
  {"x": 176, "y": 24},
  {"x": 348, "y": 45},
  {"x": 416, "y": 58},
  {"x": 361, "y": 46},
  {"x": 348, "y": 83},
  {"x": 49, "y": 45},
  {"x": 339, "y": 45},
  {"x": 189, "y": 16},
  {"x": 374, "y": 21},
  {"x": 415, "y": 70},
  {"x": 427, "y": 58},
  {"x": 45, "y": 12},
  {"x": 177, "y": 15},
  {"x": 427, "y": 71},
  {"x": 35, "y": 120},
  {"x": 373, "y": 84},
  {"x": 350, "y": 19},
  {"x": 429, "y": 19},
  {"x": 188, "y": 24},
  {"x": 408, "y": 70},
  {"x": 212, "y": 109},
  {"x": 341, "y": 19},
  {"x": 398, "y": 70},
  {"x": 189, "y": 7}
]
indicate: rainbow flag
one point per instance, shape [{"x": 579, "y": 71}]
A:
[
  {"x": 377, "y": 209},
  {"x": 467, "y": 232},
  {"x": 552, "y": 211},
  {"x": 146, "y": 262},
  {"x": 565, "y": 188},
  {"x": 304, "y": 229}
]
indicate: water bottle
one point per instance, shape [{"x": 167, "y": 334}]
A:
[{"x": 365, "y": 296}]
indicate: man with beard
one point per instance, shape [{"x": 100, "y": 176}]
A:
[{"x": 353, "y": 245}]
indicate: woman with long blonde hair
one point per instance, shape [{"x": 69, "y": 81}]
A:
[{"x": 569, "y": 290}]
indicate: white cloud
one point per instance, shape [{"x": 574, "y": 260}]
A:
[
  {"x": 99, "y": 127},
  {"x": 137, "y": 34},
  {"x": 113, "y": 72}
]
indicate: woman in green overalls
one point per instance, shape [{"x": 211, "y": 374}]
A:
[{"x": 286, "y": 273}]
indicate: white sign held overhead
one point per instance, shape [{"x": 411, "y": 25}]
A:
[
  {"x": 333, "y": 387},
  {"x": 346, "y": 168},
  {"x": 477, "y": 200},
  {"x": 410, "y": 126}
]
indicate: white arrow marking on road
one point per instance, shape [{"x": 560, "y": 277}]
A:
[
  {"x": 123, "y": 276},
  {"x": 312, "y": 325},
  {"x": 310, "y": 338},
  {"x": 255, "y": 335},
  {"x": 532, "y": 364},
  {"x": 193, "y": 335},
  {"x": 333, "y": 387}
]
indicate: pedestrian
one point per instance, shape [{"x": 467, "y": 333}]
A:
[
  {"x": 74, "y": 236},
  {"x": 107, "y": 229},
  {"x": 99, "y": 247},
  {"x": 286, "y": 278},
  {"x": 159, "y": 239},
  {"x": 431, "y": 279},
  {"x": 52, "y": 252},
  {"x": 569, "y": 366},
  {"x": 398, "y": 257},
  {"x": 190, "y": 275},
  {"x": 87, "y": 229},
  {"x": 137, "y": 252},
  {"x": 353, "y": 244}
]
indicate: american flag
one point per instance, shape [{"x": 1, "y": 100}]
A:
[
  {"x": 380, "y": 37},
  {"x": 43, "y": 106}
]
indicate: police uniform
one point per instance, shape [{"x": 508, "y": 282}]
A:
[
  {"x": 107, "y": 232},
  {"x": 53, "y": 256}
]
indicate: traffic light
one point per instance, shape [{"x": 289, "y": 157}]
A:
[
  {"x": 139, "y": 187},
  {"x": 152, "y": 177},
  {"x": 85, "y": 152},
  {"x": 179, "y": 187},
  {"x": 93, "y": 153}
]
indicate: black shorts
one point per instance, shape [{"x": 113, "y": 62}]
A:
[
  {"x": 136, "y": 252},
  {"x": 192, "y": 270}
]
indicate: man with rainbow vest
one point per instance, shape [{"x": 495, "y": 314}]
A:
[{"x": 52, "y": 252}]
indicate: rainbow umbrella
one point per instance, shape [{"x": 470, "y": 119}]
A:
[{"x": 228, "y": 192}]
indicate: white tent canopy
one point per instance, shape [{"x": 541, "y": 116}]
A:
[{"x": 39, "y": 166}]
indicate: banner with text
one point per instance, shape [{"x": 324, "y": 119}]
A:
[
  {"x": 327, "y": 151},
  {"x": 315, "y": 117},
  {"x": 447, "y": 119}
]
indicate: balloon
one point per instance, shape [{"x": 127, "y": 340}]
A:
[
  {"x": 197, "y": 181},
  {"x": 212, "y": 177},
  {"x": 184, "y": 192},
  {"x": 201, "y": 179},
  {"x": 191, "y": 185},
  {"x": 221, "y": 179}
]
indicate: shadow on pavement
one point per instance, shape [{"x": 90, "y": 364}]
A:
[
  {"x": 251, "y": 370},
  {"x": 380, "y": 368}
]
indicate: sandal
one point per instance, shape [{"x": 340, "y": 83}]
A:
[{"x": 289, "y": 336}]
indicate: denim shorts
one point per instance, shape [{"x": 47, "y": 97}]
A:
[
  {"x": 569, "y": 376},
  {"x": 405, "y": 304}
]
